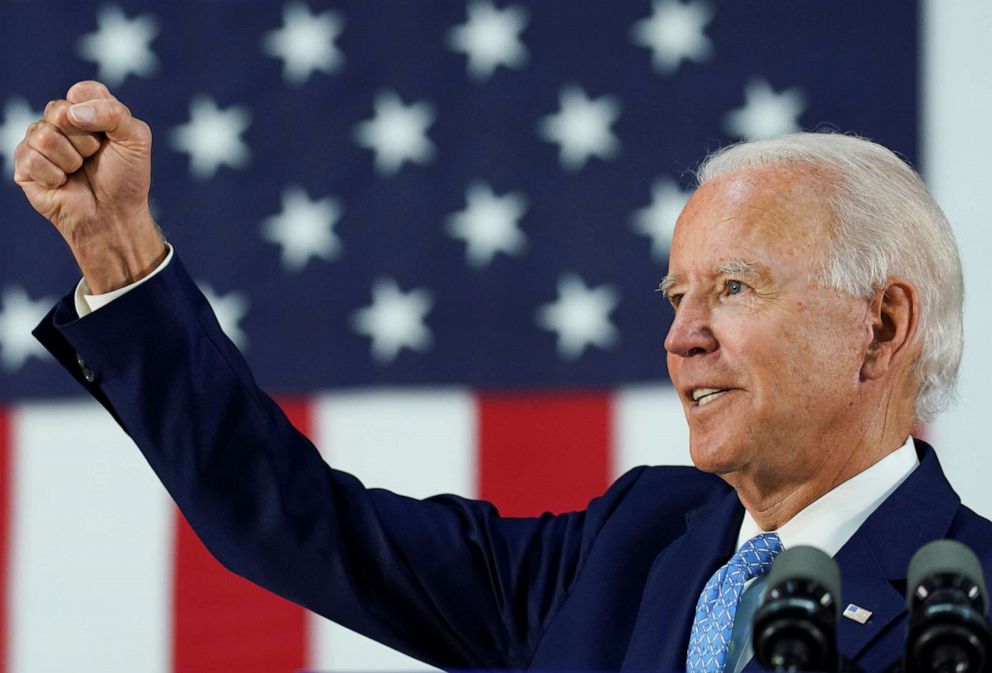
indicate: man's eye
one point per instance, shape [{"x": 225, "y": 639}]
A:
[
  {"x": 735, "y": 287},
  {"x": 675, "y": 299}
]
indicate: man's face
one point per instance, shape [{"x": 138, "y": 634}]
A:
[{"x": 751, "y": 322}]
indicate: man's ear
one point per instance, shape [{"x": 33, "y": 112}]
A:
[{"x": 893, "y": 312}]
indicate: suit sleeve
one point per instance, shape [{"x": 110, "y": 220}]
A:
[{"x": 446, "y": 580}]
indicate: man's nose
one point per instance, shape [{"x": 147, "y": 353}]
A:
[{"x": 690, "y": 333}]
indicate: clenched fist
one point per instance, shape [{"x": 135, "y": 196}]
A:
[{"x": 86, "y": 166}]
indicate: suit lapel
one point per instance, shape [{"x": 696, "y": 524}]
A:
[
  {"x": 874, "y": 561},
  {"x": 865, "y": 583},
  {"x": 668, "y": 604}
]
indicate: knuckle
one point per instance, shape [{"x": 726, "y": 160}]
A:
[
  {"x": 49, "y": 175},
  {"x": 30, "y": 169},
  {"x": 84, "y": 84},
  {"x": 142, "y": 130},
  {"x": 45, "y": 137},
  {"x": 118, "y": 110},
  {"x": 87, "y": 89},
  {"x": 33, "y": 161},
  {"x": 55, "y": 111},
  {"x": 74, "y": 162},
  {"x": 19, "y": 153},
  {"x": 55, "y": 181},
  {"x": 38, "y": 164},
  {"x": 87, "y": 145},
  {"x": 23, "y": 149}
]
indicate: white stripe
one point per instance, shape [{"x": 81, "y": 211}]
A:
[
  {"x": 649, "y": 428},
  {"x": 415, "y": 443},
  {"x": 956, "y": 158},
  {"x": 91, "y": 554}
]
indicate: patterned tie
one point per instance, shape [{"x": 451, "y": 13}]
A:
[{"x": 714, "y": 622}]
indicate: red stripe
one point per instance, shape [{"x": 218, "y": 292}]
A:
[
  {"x": 6, "y": 509},
  {"x": 542, "y": 453},
  {"x": 224, "y": 623}
]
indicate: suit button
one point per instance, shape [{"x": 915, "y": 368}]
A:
[{"x": 88, "y": 373}]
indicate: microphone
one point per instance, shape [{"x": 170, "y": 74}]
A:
[
  {"x": 795, "y": 627},
  {"x": 947, "y": 600}
]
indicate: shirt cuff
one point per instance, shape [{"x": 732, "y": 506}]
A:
[{"x": 86, "y": 303}]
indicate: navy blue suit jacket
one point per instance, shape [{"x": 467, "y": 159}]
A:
[{"x": 447, "y": 579}]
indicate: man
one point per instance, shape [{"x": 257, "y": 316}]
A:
[{"x": 817, "y": 293}]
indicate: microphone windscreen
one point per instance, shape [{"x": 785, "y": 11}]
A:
[
  {"x": 945, "y": 557},
  {"x": 807, "y": 563}
]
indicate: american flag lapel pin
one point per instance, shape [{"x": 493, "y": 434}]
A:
[{"x": 858, "y": 614}]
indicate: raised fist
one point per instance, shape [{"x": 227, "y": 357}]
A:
[{"x": 86, "y": 166}]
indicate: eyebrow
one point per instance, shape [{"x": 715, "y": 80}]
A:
[
  {"x": 743, "y": 269},
  {"x": 667, "y": 283}
]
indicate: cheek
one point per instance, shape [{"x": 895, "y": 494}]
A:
[{"x": 824, "y": 360}]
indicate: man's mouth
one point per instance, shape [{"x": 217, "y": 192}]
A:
[{"x": 703, "y": 396}]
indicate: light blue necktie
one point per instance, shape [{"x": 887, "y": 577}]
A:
[{"x": 714, "y": 622}]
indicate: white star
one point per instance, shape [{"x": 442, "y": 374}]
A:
[
  {"x": 490, "y": 38},
  {"x": 394, "y": 320},
  {"x": 582, "y": 128},
  {"x": 18, "y": 316},
  {"x": 120, "y": 46},
  {"x": 304, "y": 228},
  {"x": 213, "y": 137},
  {"x": 489, "y": 224},
  {"x": 766, "y": 114},
  {"x": 230, "y": 310},
  {"x": 658, "y": 219},
  {"x": 580, "y": 316},
  {"x": 305, "y": 43},
  {"x": 17, "y": 116},
  {"x": 674, "y": 32},
  {"x": 397, "y": 133}
]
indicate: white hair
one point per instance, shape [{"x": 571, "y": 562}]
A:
[{"x": 886, "y": 225}]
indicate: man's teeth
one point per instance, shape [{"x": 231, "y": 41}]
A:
[{"x": 706, "y": 395}]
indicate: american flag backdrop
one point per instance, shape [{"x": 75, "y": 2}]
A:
[{"x": 434, "y": 228}]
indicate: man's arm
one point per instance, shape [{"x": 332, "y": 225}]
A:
[{"x": 445, "y": 580}]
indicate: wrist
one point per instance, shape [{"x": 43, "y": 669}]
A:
[{"x": 116, "y": 257}]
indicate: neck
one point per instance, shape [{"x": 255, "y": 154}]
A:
[{"x": 774, "y": 498}]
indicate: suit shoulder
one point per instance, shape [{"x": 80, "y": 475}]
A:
[
  {"x": 667, "y": 486},
  {"x": 685, "y": 476},
  {"x": 974, "y": 530}
]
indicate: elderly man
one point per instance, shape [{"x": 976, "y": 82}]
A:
[{"x": 817, "y": 296}]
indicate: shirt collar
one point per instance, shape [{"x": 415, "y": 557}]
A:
[{"x": 830, "y": 521}]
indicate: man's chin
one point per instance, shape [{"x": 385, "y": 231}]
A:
[{"x": 714, "y": 457}]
